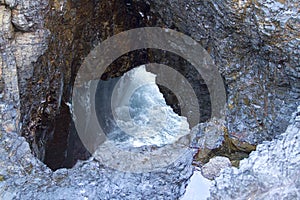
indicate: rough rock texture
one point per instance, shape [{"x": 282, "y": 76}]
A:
[
  {"x": 22, "y": 41},
  {"x": 76, "y": 27},
  {"x": 212, "y": 169},
  {"x": 212, "y": 139},
  {"x": 271, "y": 172},
  {"x": 209, "y": 136},
  {"x": 22, "y": 176},
  {"x": 9, "y": 90},
  {"x": 255, "y": 45}
]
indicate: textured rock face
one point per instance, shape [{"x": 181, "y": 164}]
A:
[
  {"x": 212, "y": 139},
  {"x": 22, "y": 176},
  {"x": 271, "y": 172},
  {"x": 255, "y": 45},
  {"x": 76, "y": 27},
  {"x": 22, "y": 41},
  {"x": 8, "y": 74},
  {"x": 38, "y": 87}
]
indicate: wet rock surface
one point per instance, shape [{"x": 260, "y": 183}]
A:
[
  {"x": 76, "y": 27},
  {"x": 22, "y": 42},
  {"x": 270, "y": 172}
]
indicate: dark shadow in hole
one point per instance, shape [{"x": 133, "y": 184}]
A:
[
  {"x": 171, "y": 99},
  {"x": 65, "y": 147}
]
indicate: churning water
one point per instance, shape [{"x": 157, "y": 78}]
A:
[{"x": 140, "y": 111}]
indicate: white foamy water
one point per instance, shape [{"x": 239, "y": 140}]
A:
[{"x": 141, "y": 112}]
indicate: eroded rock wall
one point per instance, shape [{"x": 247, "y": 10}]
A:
[
  {"x": 22, "y": 40},
  {"x": 255, "y": 45},
  {"x": 76, "y": 27}
]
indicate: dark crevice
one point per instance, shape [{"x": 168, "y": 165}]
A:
[
  {"x": 65, "y": 147},
  {"x": 57, "y": 145},
  {"x": 171, "y": 99}
]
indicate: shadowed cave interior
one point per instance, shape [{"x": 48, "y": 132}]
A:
[{"x": 48, "y": 127}]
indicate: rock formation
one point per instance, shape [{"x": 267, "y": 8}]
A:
[
  {"x": 254, "y": 44},
  {"x": 270, "y": 172}
]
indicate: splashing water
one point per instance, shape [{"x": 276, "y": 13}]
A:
[{"x": 141, "y": 112}]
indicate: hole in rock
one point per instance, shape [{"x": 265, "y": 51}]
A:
[
  {"x": 64, "y": 148},
  {"x": 75, "y": 31}
]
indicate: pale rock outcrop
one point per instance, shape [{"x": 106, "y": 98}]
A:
[{"x": 271, "y": 172}]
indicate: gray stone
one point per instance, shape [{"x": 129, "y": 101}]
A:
[
  {"x": 212, "y": 169},
  {"x": 6, "y": 28},
  {"x": 255, "y": 45},
  {"x": 270, "y": 172},
  {"x": 20, "y": 22},
  {"x": 10, "y": 3},
  {"x": 17, "y": 52},
  {"x": 28, "y": 47},
  {"x": 25, "y": 177},
  {"x": 210, "y": 135},
  {"x": 260, "y": 70}
]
